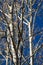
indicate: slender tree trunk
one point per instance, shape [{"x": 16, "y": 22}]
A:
[
  {"x": 30, "y": 42},
  {"x": 9, "y": 39},
  {"x": 30, "y": 34},
  {"x": 7, "y": 56},
  {"x": 17, "y": 60}
]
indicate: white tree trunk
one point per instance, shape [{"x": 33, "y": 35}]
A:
[
  {"x": 11, "y": 43},
  {"x": 30, "y": 33},
  {"x": 30, "y": 43},
  {"x": 7, "y": 57}
]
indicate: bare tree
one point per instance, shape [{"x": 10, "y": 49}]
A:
[{"x": 19, "y": 18}]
